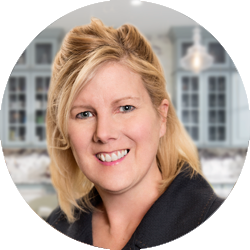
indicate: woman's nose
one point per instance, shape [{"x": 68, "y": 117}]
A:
[{"x": 106, "y": 130}]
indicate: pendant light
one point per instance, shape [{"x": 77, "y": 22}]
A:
[
  {"x": 197, "y": 58},
  {"x": 136, "y": 2}
]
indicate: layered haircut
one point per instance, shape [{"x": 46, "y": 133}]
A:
[{"x": 83, "y": 51}]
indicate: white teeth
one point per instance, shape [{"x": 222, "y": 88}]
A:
[
  {"x": 102, "y": 157},
  {"x": 108, "y": 158},
  {"x": 119, "y": 155},
  {"x": 114, "y": 157}
]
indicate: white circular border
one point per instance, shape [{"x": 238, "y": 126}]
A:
[{"x": 21, "y": 21}]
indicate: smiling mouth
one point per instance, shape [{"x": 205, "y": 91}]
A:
[{"x": 112, "y": 157}]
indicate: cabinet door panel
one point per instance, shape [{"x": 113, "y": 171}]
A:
[
  {"x": 23, "y": 62},
  {"x": 16, "y": 110},
  {"x": 40, "y": 85},
  {"x": 216, "y": 99},
  {"x": 43, "y": 53},
  {"x": 217, "y": 51},
  {"x": 188, "y": 105}
]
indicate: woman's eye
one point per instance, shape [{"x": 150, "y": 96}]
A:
[
  {"x": 84, "y": 115},
  {"x": 126, "y": 108}
]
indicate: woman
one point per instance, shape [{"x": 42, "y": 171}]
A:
[{"x": 126, "y": 172}]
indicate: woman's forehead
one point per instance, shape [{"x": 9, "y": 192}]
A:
[{"x": 111, "y": 82}]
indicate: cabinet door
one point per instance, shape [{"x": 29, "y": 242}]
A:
[
  {"x": 39, "y": 86},
  {"x": 217, "y": 51},
  {"x": 43, "y": 51},
  {"x": 16, "y": 110},
  {"x": 23, "y": 61},
  {"x": 188, "y": 104},
  {"x": 240, "y": 113},
  {"x": 216, "y": 109}
]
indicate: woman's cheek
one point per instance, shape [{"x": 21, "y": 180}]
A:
[{"x": 140, "y": 128}]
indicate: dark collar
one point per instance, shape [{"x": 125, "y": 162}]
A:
[{"x": 181, "y": 208}]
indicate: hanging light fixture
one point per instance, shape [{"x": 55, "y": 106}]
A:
[
  {"x": 136, "y": 2},
  {"x": 197, "y": 58}
]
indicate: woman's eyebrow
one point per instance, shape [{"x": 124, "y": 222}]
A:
[
  {"x": 113, "y": 103},
  {"x": 126, "y": 98},
  {"x": 81, "y": 106}
]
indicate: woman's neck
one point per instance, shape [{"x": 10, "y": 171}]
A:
[{"x": 122, "y": 212}]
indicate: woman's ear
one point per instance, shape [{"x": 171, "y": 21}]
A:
[{"x": 163, "y": 110}]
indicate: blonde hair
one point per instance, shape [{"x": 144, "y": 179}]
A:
[{"x": 83, "y": 51}]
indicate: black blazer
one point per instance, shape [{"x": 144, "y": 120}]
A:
[{"x": 182, "y": 207}]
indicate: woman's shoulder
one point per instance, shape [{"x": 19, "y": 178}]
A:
[
  {"x": 195, "y": 190},
  {"x": 186, "y": 203},
  {"x": 58, "y": 216},
  {"x": 80, "y": 229},
  {"x": 54, "y": 217},
  {"x": 58, "y": 220},
  {"x": 214, "y": 206},
  {"x": 192, "y": 194}
]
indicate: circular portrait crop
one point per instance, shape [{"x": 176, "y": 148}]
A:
[{"x": 125, "y": 125}]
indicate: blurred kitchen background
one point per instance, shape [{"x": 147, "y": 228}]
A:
[{"x": 211, "y": 103}]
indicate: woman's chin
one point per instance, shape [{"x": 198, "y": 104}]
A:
[{"x": 116, "y": 187}]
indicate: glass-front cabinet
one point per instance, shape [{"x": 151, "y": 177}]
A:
[
  {"x": 189, "y": 104},
  {"x": 43, "y": 51},
  {"x": 16, "y": 103},
  {"x": 219, "y": 54},
  {"x": 212, "y": 105},
  {"x": 39, "y": 98},
  {"x": 203, "y": 107},
  {"x": 23, "y": 61},
  {"x": 25, "y": 99},
  {"x": 25, "y": 102},
  {"x": 217, "y": 109}
]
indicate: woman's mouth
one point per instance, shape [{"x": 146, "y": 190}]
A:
[{"x": 114, "y": 156}]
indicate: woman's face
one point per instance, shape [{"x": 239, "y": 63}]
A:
[{"x": 112, "y": 115}]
